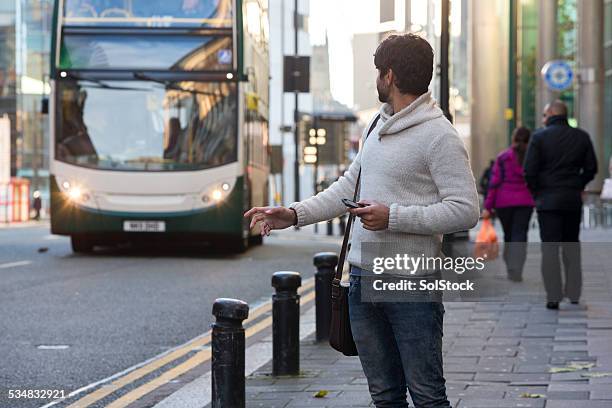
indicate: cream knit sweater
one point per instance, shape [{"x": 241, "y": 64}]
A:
[{"x": 415, "y": 163}]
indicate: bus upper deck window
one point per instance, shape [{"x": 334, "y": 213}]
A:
[{"x": 209, "y": 13}]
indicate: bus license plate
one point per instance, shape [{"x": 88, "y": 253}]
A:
[{"x": 144, "y": 226}]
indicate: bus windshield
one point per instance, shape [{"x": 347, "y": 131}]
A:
[
  {"x": 145, "y": 125},
  {"x": 149, "y": 13}
]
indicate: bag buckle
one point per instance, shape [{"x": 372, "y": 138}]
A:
[{"x": 335, "y": 289}]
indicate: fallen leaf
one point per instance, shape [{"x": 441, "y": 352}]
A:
[
  {"x": 556, "y": 370},
  {"x": 596, "y": 375},
  {"x": 581, "y": 365},
  {"x": 321, "y": 394},
  {"x": 530, "y": 395},
  {"x": 571, "y": 367}
]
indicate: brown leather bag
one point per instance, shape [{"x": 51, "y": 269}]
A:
[{"x": 340, "y": 334}]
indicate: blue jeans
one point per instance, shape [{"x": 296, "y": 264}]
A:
[{"x": 399, "y": 345}]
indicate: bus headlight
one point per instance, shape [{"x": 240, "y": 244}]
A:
[
  {"x": 74, "y": 192},
  {"x": 216, "y": 193},
  {"x": 77, "y": 195}
]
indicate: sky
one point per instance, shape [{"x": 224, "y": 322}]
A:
[{"x": 341, "y": 19}]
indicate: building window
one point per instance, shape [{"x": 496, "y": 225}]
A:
[{"x": 387, "y": 10}]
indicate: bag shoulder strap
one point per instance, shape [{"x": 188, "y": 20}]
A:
[
  {"x": 502, "y": 171},
  {"x": 351, "y": 219}
]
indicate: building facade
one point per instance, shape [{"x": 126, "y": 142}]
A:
[
  {"x": 25, "y": 28},
  {"x": 282, "y": 42},
  {"x": 511, "y": 41}
]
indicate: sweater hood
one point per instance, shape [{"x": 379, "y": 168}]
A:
[{"x": 422, "y": 110}]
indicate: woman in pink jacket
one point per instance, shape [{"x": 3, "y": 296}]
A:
[{"x": 512, "y": 202}]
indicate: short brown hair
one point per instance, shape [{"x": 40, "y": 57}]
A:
[{"x": 410, "y": 57}]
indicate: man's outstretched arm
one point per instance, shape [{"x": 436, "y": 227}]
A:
[
  {"x": 328, "y": 203},
  {"x": 323, "y": 206}
]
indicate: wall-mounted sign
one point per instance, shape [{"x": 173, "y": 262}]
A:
[
  {"x": 296, "y": 74},
  {"x": 558, "y": 75}
]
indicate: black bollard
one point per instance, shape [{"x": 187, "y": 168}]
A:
[
  {"x": 286, "y": 323},
  {"x": 325, "y": 263},
  {"x": 342, "y": 219},
  {"x": 330, "y": 227},
  {"x": 227, "y": 366}
]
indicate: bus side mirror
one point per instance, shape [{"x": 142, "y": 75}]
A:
[{"x": 44, "y": 106}]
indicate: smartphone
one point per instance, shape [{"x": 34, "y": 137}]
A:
[{"x": 351, "y": 203}]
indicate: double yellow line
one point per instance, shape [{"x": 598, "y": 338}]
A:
[{"x": 197, "y": 359}]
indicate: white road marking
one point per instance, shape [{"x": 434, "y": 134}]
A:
[
  {"x": 13, "y": 264},
  {"x": 53, "y": 347},
  {"x": 51, "y": 237}
]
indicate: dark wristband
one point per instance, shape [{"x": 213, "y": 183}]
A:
[{"x": 296, "y": 216}]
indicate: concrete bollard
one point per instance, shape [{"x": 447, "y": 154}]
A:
[
  {"x": 342, "y": 224},
  {"x": 286, "y": 323},
  {"x": 330, "y": 227},
  {"x": 227, "y": 366},
  {"x": 325, "y": 262}
]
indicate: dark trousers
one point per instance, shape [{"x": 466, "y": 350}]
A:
[
  {"x": 400, "y": 347},
  {"x": 515, "y": 222},
  {"x": 560, "y": 231}
]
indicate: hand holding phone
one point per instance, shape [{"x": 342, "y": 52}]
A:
[
  {"x": 373, "y": 215},
  {"x": 351, "y": 203}
]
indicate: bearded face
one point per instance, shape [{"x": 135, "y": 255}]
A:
[{"x": 383, "y": 86}]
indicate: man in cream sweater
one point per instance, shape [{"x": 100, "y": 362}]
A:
[{"x": 416, "y": 184}]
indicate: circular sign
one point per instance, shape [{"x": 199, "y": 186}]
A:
[{"x": 558, "y": 75}]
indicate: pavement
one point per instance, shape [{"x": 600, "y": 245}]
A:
[
  {"x": 25, "y": 224},
  {"x": 496, "y": 355}
]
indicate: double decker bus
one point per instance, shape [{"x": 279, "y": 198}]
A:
[{"x": 159, "y": 120}]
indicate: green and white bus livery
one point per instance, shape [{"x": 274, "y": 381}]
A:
[{"x": 159, "y": 120}]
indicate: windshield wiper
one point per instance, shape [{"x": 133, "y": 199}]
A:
[
  {"x": 172, "y": 84},
  {"x": 102, "y": 84}
]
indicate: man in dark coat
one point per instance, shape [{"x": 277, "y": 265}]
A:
[{"x": 560, "y": 162}]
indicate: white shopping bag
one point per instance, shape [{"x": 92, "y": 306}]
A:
[{"x": 606, "y": 191}]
